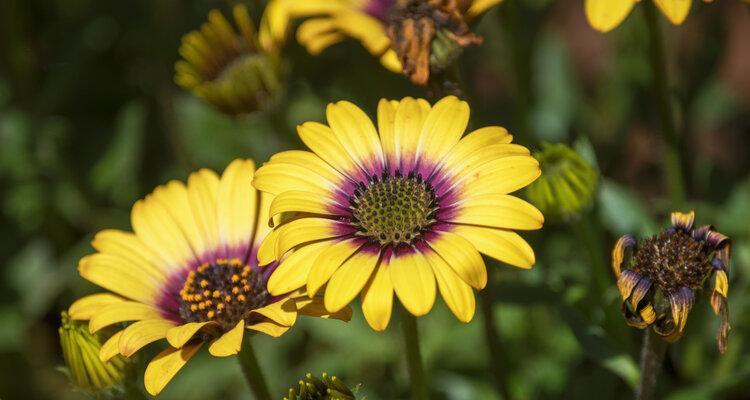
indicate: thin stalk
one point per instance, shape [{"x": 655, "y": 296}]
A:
[
  {"x": 657, "y": 58},
  {"x": 492, "y": 338},
  {"x": 652, "y": 357},
  {"x": 414, "y": 357},
  {"x": 252, "y": 372}
]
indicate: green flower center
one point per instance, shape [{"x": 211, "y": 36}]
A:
[
  {"x": 224, "y": 292},
  {"x": 393, "y": 209},
  {"x": 673, "y": 260}
]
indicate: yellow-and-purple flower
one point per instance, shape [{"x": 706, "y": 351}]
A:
[
  {"x": 403, "y": 208},
  {"x": 189, "y": 273}
]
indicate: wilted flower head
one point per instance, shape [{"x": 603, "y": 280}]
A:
[
  {"x": 659, "y": 282},
  {"x": 415, "y": 37},
  {"x": 80, "y": 351},
  {"x": 228, "y": 68},
  {"x": 327, "y": 388},
  {"x": 567, "y": 184}
]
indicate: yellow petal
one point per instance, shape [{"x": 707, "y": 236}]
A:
[
  {"x": 309, "y": 161},
  {"x": 173, "y": 197},
  {"x": 127, "y": 245},
  {"x": 499, "y": 211},
  {"x": 165, "y": 366},
  {"x": 111, "y": 347},
  {"x": 386, "y": 121},
  {"x": 262, "y": 229},
  {"x": 500, "y": 244},
  {"x": 443, "y": 128},
  {"x": 317, "y": 34},
  {"x": 321, "y": 140},
  {"x": 357, "y": 135},
  {"x": 475, "y": 141},
  {"x": 327, "y": 263},
  {"x": 413, "y": 281},
  {"x": 482, "y": 157},
  {"x": 501, "y": 176},
  {"x": 299, "y": 201},
  {"x": 675, "y": 10},
  {"x": 236, "y": 205},
  {"x": 141, "y": 333},
  {"x": 292, "y": 273},
  {"x": 390, "y": 61},
  {"x": 120, "y": 276},
  {"x": 277, "y": 178},
  {"x": 122, "y": 312},
  {"x": 407, "y": 126},
  {"x": 349, "y": 279},
  {"x": 377, "y": 298},
  {"x": 304, "y": 230},
  {"x": 605, "y": 15},
  {"x": 314, "y": 307},
  {"x": 368, "y": 30},
  {"x": 203, "y": 187},
  {"x": 156, "y": 228},
  {"x": 269, "y": 328},
  {"x": 456, "y": 293},
  {"x": 179, "y": 335},
  {"x": 85, "y": 307},
  {"x": 229, "y": 343},
  {"x": 281, "y": 312},
  {"x": 462, "y": 257},
  {"x": 478, "y": 7}
]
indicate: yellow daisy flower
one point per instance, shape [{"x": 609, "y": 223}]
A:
[
  {"x": 189, "y": 274},
  {"x": 605, "y": 15},
  {"x": 227, "y": 68},
  {"x": 398, "y": 208},
  {"x": 399, "y": 32},
  {"x": 659, "y": 281}
]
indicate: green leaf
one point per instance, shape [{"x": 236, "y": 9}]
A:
[{"x": 622, "y": 212}]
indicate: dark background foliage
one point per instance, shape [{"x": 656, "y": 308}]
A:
[{"x": 90, "y": 121}]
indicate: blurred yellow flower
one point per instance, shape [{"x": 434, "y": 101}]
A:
[
  {"x": 226, "y": 68},
  {"x": 658, "y": 283},
  {"x": 605, "y": 15},
  {"x": 400, "y": 32},
  {"x": 398, "y": 208},
  {"x": 189, "y": 274}
]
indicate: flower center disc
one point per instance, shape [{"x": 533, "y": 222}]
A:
[
  {"x": 224, "y": 292},
  {"x": 672, "y": 260},
  {"x": 393, "y": 210}
]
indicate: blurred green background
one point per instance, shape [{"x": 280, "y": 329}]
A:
[{"x": 90, "y": 121}]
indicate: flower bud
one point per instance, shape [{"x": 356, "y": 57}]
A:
[
  {"x": 80, "y": 351},
  {"x": 567, "y": 184},
  {"x": 227, "y": 68},
  {"x": 327, "y": 388}
]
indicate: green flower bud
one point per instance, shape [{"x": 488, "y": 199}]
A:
[
  {"x": 327, "y": 388},
  {"x": 80, "y": 349},
  {"x": 567, "y": 185},
  {"x": 228, "y": 68}
]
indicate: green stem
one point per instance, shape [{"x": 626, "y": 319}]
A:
[
  {"x": 414, "y": 357},
  {"x": 657, "y": 57},
  {"x": 652, "y": 355},
  {"x": 493, "y": 341},
  {"x": 252, "y": 372}
]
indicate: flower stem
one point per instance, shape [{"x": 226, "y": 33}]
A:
[
  {"x": 657, "y": 57},
  {"x": 252, "y": 372},
  {"x": 493, "y": 341},
  {"x": 652, "y": 356},
  {"x": 414, "y": 357}
]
